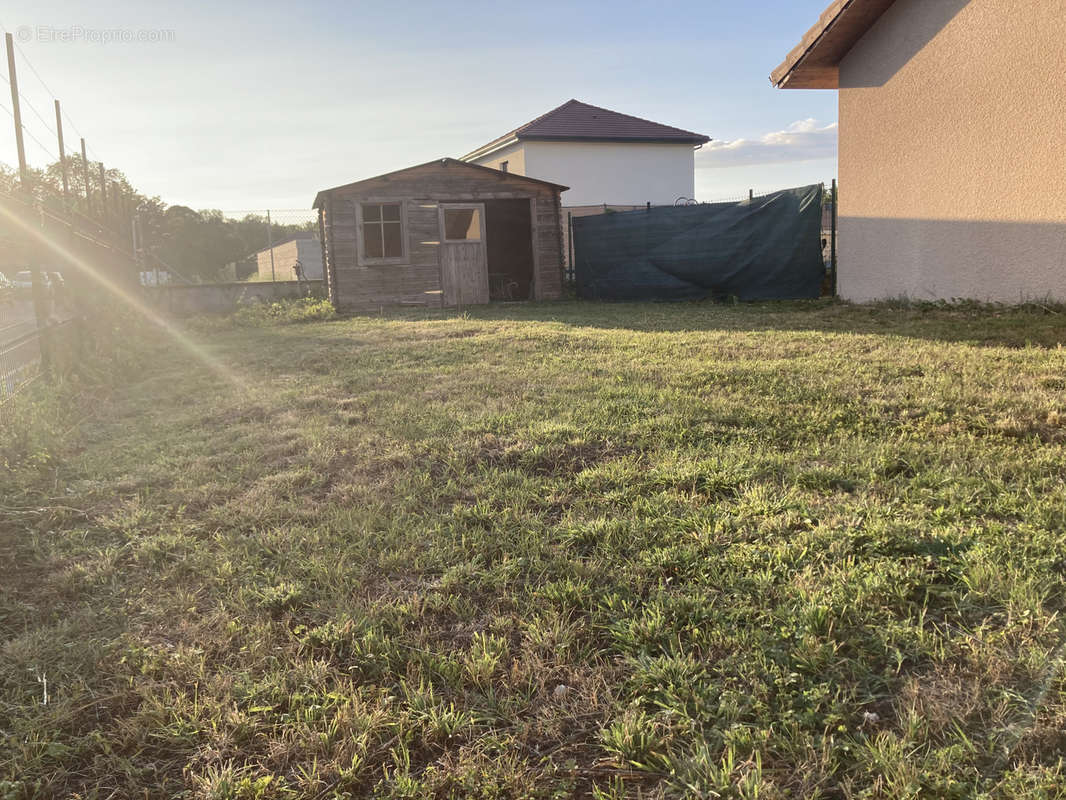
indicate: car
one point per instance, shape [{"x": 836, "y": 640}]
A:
[{"x": 24, "y": 280}]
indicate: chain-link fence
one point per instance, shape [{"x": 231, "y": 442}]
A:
[
  {"x": 216, "y": 261},
  {"x": 58, "y": 271},
  {"x": 275, "y": 245}
]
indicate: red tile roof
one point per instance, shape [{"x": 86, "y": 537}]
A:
[{"x": 577, "y": 121}]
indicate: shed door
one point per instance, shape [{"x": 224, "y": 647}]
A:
[{"x": 463, "y": 261}]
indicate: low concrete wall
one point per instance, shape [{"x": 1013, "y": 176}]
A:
[{"x": 224, "y": 298}]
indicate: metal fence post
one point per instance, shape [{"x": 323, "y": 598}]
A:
[
  {"x": 37, "y": 279},
  {"x": 270, "y": 247},
  {"x": 103, "y": 202},
  {"x": 85, "y": 177},
  {"x": 570, "y": 241},
  {"x": 833, "y": 238}
]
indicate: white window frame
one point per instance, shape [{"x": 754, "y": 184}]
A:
[{"x": 360, "y": 247}]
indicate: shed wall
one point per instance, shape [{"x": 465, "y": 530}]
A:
[{"x": 354, "y": 286}]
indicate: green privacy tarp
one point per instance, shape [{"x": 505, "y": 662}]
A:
[{"x": 766, "y": 249}]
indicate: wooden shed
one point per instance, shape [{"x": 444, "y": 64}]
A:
[{"x": 445, "y": 232}]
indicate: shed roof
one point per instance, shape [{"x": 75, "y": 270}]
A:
[
  {"x": 815, "y": 62},
  {"x": 575, "y": 121},
  {"x": 443, "y": 162}
]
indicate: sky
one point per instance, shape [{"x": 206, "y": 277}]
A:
[{"x": 245, "y": 106}]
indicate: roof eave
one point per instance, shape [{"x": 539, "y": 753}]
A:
[
  {"x": 321, "y": 196},
  {"x": 491, "y": 147},
  {"x": 814, "y": 63},
  {"x": 694, "y": 139},
  {"x": 810, "y": 78}
]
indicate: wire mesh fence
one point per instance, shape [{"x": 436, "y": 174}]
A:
[
  {"x": 273, "y": 245},
  {"x": 56, "y": 271}
]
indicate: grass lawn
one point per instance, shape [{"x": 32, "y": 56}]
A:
[{"x": 547, "y": 551}]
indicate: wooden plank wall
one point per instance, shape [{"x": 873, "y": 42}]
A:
[{"x": 354, "y": 287}]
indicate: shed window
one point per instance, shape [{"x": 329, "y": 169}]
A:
[
  {"x": 462, "y": 224},
  {"x": 382, "y": 231}
]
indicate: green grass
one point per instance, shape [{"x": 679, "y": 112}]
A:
[{"x": 547, "y": 551}]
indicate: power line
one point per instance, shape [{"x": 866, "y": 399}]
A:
[
  {"x": 28, "y": 132},
  {"x": 37, "y": 75},
  {"x": 37, "y": 114},
  {"x": 33, "y": 69}
]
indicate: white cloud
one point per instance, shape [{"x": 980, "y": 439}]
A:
[{"x": 805, "y": 140}]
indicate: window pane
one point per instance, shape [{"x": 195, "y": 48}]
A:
[
  {"x": 371, "y": 213},
  {"x": 393, "y": 235},
  {"x": 462, "y": 223},
  {"x": 372, "y": 244},
  {"x": 391, "y": 213}
]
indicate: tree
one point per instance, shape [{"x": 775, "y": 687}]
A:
[{"x": 195, "y": 244}]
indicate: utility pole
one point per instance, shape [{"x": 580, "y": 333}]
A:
[
  {"x": 39, "y": 307},
  {"x": 119, "y": 202},
  {"x": 103, "y": 195},
  {"x": 62, "y": 157},
  {"x": 85, "y": 177},
  {"x": 24, "y": 174}
]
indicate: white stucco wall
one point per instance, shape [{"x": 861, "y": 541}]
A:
[
  {"x": 615, "y": 173},
  {"x": 514, "y": 156},
  {"x": 605, "y": 172}
]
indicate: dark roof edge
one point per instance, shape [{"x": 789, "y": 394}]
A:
[
  {"x": 695, "y": 138},
  {"x": 683, "y": 136},
  {"x": 446, "y": 162}
]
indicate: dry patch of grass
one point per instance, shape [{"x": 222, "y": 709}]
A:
[{"x": 548, "y": 551}]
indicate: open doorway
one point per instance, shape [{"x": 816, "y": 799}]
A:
[{"x": 509, "y": 249}]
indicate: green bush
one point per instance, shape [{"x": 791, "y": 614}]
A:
[{"x": 306, "y": 309}]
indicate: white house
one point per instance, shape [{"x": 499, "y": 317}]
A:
[{"x": 602, "y": 155}]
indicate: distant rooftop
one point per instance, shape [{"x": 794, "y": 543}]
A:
[
  {"x": 575, "y": 121},
  {"x": 299, "y": 236}
]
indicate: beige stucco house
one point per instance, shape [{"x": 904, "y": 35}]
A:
[
  {"x": 305, "y": 249},
  {"x": 952, "y": 145}
]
